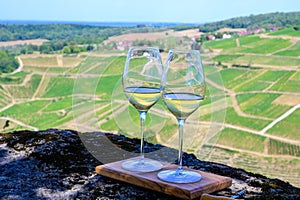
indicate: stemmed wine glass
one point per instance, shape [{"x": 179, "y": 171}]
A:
[
  {"x": 142, "y": 86},
  {"x": 183, "y": 91}
]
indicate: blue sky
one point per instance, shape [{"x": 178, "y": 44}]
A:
[{"x": 189, "y": 11}]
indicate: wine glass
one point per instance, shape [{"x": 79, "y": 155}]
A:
[
  {"x": 183, "y": 91},
  {"x": 142, "y": 86}
]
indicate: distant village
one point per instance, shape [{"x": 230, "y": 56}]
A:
[{"x": 228, "y": 33}]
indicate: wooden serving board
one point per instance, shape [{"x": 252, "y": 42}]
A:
[{"x": 209, "y": 182}]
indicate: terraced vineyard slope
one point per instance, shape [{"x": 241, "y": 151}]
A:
[{"x": 248, "y": 120}]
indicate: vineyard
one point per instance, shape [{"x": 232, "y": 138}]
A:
[{"x": 249, "y": 118}]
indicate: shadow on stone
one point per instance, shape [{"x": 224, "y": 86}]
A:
[{"x": 55, "y": 164}]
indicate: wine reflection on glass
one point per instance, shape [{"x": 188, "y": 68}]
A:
[
  {"x": 142, "y": 86},
  {"x": 183, "y": 91}
]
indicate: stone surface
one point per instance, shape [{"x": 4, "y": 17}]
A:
[{"x": 55, "y": 164}]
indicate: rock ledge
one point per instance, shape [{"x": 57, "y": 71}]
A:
[{"x": 54, "y": 164}]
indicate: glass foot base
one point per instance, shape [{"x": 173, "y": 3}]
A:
[
  {"x": 145, "y": 165},
  {"x": 174, "y": 176}
]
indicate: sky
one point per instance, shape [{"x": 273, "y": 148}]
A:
[{"x": 184, "y": 11}]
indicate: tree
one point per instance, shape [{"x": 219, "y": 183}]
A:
[
  {"x": 3, "y": 54},
  {"x": 74, "y": 49},
  {"x": 66, "y": 50},
  {"x": 45, "y": 48},
  {"x": 8, "y": 64},
  {"x": 297, "y": 27},
  {"x": 90, "y": 48},
  {"x": 23, "y": 51}
]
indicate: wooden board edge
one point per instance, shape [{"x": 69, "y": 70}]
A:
[
  {"x": 148, "y": 184},
  {"x": 227, "y": 182},
  {"x": 162, "y": 187}
]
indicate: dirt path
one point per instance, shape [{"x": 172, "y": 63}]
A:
[
  {"x": 20, "y": 123},
  {"x": 265, "y": 153},
  {"x": 286, "y": 140},
  {"x": 104, "y": 55},
  {"x": 90, "y": 123},
  {"x": 72, "y": 75},
  {"x": 285, "y": 37},
  {"x": 270, "y": 91},
  {"x": 252, "y": 152},
  {"x": 20, "y": 68},
  {"x": 86, "y": 125},
  {"x": 294, "y": 42},
  {"x": 7, "y": 107},
  {"x": 283, "y": 116},
  {"x": 26, "y": 79},
  {"x": 90, "y": 68},
  {"x": 234, "y": 101},
  {"x": 42, "y": 85},
  {"x": 238, "y": 110},
  {"x": 59, "y": 59}
]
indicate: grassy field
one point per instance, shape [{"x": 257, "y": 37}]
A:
[
  {"x": 50, "y": 60},
  {"x": 59, "y": 104},
  {"x": 227, "y": 75},
  {"x": 27, "y": 90},
  {"x": 266, "y": 46},
  {"x": 233, "y": 118},
  {"x": 264, "y": 78},
  {"x": 272, "y": 69},
  {"x": 293, "y": 51},
  {"x": 10, "y": 79},
  {"x": 286, "y": 31},
  {"x": 31, "y": 113},
  {"x": 92, "y": 65},
  {"x": 253, "y": 60},
  {"x": 279, "y": 148},
  {"x": 106, "y": 86},
  {"x": 292, "y": 121},
  {"x": 250, "y": 44},
  {"x": 85, "y": 92},
  {"x": 40, "y": 61},
  {"x": 5, "y": 98},
  {"x": 254, "y": 50},
  {"x": 115, "y": 66},
  {"x": 260, "y": 104},
  {"x": 59, "y": 87},
  {"x": 287, "y": 83},
  {"x": 297, "y": 75},
  {"x": 69, "y": 61},
  {"x": 241, "y": 140}
]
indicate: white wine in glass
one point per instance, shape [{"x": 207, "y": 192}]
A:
[
  {"x": 183, "y": 91},
  {"x": 142, "y": 86}
]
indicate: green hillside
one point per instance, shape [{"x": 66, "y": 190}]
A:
[
  {"x": 255, "y": 21},
  {"x": 252, "y": 81}
]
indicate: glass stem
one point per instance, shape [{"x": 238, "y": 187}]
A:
[
  {"x": 180, "y": 130},
  {"x": 142, "y": 124}
]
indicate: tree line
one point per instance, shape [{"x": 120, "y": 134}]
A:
[
  {"x": 80, "y": 34},
  {"x": 8, "y": 63},
  {"x": 63, "y": 38},
  {"x": 253, "y": 22},
  {"x": 74, "y": 33}
]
